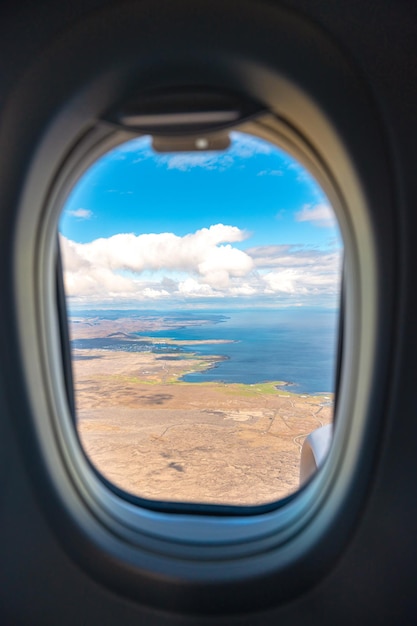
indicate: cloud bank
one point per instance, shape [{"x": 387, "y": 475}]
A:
[
  {"x": 319, "y": 214},
  {"x": 206, "y": 264},
  {"x": 81, "y": 214}
]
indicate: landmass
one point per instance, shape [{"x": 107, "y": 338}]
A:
[{"x": 157, "y": 437}]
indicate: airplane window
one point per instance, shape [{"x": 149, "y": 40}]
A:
[{"x": 203, "y": 293}]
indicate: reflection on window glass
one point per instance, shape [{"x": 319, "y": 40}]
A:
[{"x": 203, "y": 294}]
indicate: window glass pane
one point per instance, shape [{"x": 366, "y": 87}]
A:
[{"x": 203, "y": 293}]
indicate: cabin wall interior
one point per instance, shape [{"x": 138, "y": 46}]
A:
[{"x": 372, "y": 580}]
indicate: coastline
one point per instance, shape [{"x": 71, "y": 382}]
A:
[
  {"x": 158, "y": 437},
  {"x": 155, "y": 434},
  {"x": 236, "y": 348}
]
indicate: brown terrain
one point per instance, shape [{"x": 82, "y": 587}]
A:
[{"x": 159, "y": 438}]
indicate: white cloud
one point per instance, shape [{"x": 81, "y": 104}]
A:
[
  {"x": 191, "y": 287},
  {"x": 299, "y": 271},
  {"x": 297, "y": 281},
  {"x": 244, "y": 289},
  {"x": 247, "y": 145},
  {"x": 149, "y": 292},
  {"x": 97, "y": 282},
  {"x": 189, "y": 160},
  {"x": 270, "y": 173},
  {"x": 200, "y": 265},
  {"x": 206, "y": 255},
  {"x": 283, "y": 282},
  {"x": 81, "y": 214},
  {"x": 302, "y": 175},
  {"x": 292, "y": 256},
  {"x": 199, "y": 252},
  {"x": 320, "y": 214}
]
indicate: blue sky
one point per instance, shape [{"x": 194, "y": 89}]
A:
[{"x": 246, "y": 223}]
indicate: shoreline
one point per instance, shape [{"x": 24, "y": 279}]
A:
[
  {"x": 199, "y": 364},
  {"x": 158, "y": 437},
  {"x": 236, "y": 354}
]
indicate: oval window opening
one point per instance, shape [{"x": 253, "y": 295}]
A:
[{"x": 203, "y": 294}]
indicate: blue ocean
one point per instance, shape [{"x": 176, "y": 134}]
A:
[{"x": 298, "y": 346}]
